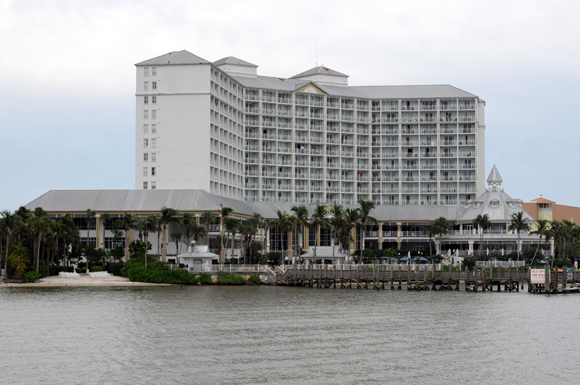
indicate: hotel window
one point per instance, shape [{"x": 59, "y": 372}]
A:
[
  {"x": 154, "y": 71},
  {"x": 145, "y": 171},
  {"x": 153, "y": 85},
  {"x": 145, "y": 156},
  {"x": 146, "y": 71},
  {"x": 153, "y": 142},
  {"x": 145, "y": 99},
  {"x": 153, "y": 128},
  {"x": 145, "y": 143},
  {"x": 144, "y": 185},
  {"x": 152, "y": 171},
  {"x": 153, "y": 99},
  {"x": 153, "y": 157},
  {"x": 153, "y": 114},
  {"x": 146, "y": 86},
  {"x": 145, "y": 128},
  {"x": 145, "y": 114},
  {"x": 153, "y": 185}
]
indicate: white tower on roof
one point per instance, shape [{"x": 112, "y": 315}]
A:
[{"x": 494, "y": 179}]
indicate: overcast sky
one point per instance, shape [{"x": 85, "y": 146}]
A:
[{"x": 67, "y": 75}]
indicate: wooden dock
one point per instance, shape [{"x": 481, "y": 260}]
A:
[{"x": 419, "y": 277}]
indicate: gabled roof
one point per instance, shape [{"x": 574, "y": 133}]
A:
[
  {"x": 494, "y": 177},
  {"x": 234, "y": 61},
  {"x": 319, "y": 70},
  {"x": 542, "y": 200},
  {"x": 174, "y": 58}
]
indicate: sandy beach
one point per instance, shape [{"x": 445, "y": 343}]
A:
[{"x": 83, "y": 281}]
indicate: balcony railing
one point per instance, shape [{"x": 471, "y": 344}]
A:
[{"x": 391, "y": 203}]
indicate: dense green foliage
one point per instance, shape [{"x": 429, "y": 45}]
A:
[
  {"x": 31, "y": 276},
  {"x": 204, "y": 278},
  {"x": 156, "y": 272},
  {"x": 230, "y": 279},
  {"x": 255, "y": 279}
]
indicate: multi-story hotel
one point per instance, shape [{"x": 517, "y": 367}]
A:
[{"x": 306, "y": 139}]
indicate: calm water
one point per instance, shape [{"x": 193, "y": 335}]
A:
[{"x": 278, "y": 335}]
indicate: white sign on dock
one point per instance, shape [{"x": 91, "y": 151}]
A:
[{"x": 538, "y": 276}]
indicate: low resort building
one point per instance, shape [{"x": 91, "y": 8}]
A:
[{"x": 398, "y": 227}]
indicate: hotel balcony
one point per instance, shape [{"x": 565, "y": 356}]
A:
[{"x": 391, "y": 203}]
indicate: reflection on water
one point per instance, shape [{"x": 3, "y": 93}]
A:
[{"x": 280, "y": 335}]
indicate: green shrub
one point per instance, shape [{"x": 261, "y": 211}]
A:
[
  {"x": 115, "y": 268},
  {"x": 230, "y": 279},
  {"x": 156, "y": 272},
  {"x": 43, "y": 268},
  {"x": 54, "y": 270},
  {"x": 81, "y": 270},
  {"x": 255, "y": 279},
  {"x": 204, "y": 278},
  {"x": 31, "y": 276},
  {"x": 97, "y": 268}
]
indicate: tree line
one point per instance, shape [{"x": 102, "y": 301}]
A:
[{"x": 31, "y": 239}]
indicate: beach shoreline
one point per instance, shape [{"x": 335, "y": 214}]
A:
[{"x": 83, "y": 281}]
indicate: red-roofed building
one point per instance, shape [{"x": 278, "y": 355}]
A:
[{"x": 543, "y": 208}]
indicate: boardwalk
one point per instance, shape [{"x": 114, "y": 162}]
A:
[{"x": 419, "y": 277}]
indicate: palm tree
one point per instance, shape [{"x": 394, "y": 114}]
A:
[
  {"x": 188, "y": 222},
  {"x": 568, "y": 234},
  {"x": 176, "y": 238},
  {"x": 224, "y": 213},
  {"x": 168, "y": 216},
  {"x": 159, "y": 232},
  {"x": 117, "y": 233},
  {"x": 440, "y": 228},
  {"x": 141, "y": 227},
  {"x": 337, "y": 214},
  {"x": 232, "y": 225},
  {"x": 301, "y": 214},
  {"x": 290, "y": 225},
  {"x": 282, "y": 225},
  {"x": 318, "y": 220},
  {"x": 10, "y": 222},
  {"x": 266, "y": 224},
  {"x": 208, "y": 218},
  {"x": 542, "y": 227},
  {"x": 482, "y": 222},
  {"x": 519, "y": 223},
  {"x": 150, "y": 227},
  {"x": 128, "y": 223},
  {"x": 39, "y": 226},
  {"x": 365, "y": 208},
  {"x": 429, "y": 230},
  {"x": 106, "y": 217},
  {"x": 197, "y": 231},
  {"x": 352, "y": 220},
  {"x": 247, "y": 231},
  {"x": 90, "y": 214}
]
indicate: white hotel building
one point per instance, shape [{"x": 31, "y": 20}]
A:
[{"x": 310, "y": 138}]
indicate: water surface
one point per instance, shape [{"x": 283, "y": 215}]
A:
[{"x": 285, "y": 335}]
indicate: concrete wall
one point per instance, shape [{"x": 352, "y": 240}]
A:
[{"x": 183, "y": 127}]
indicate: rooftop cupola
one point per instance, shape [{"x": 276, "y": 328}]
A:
[
  {"x": 237, "y": 67},
  {"x": 494, "y": 179}
]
